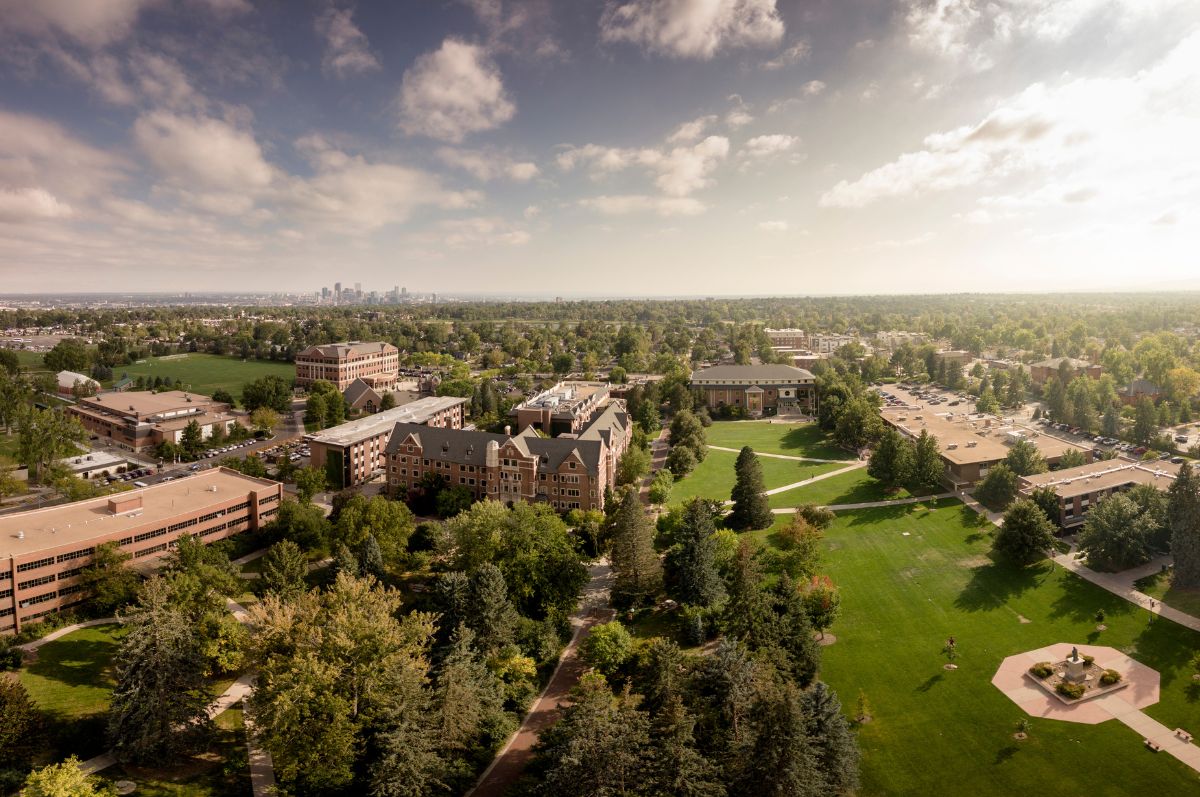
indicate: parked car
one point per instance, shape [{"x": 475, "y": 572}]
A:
[{"x": 1181, "y": 438}]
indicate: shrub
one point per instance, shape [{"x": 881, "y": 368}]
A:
[
  {"x": 1043, "y": 669},
  {"x": 1073, "y": 691},
  {"x": 1088, "y": 659},
  {"x": 1110, "y": 677}
]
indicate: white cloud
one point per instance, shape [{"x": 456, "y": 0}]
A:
[
  {"x": 688, "y": 132},
  {"x": 761, "y": 147},
  {"x": 1129, "y": 135},
  {"x": 24, "y": 204},
  {"x": 163, "y": 82},
  {"x": 792, "y": 55},
  {"x": 812, "y": 88},
  {"x": 625, "y": 204},
  {"x": 521, "y": 28},
  {"x": 481, "y": 231},
  {"x": 353, "y": 195},
  {"x": 531, "y": 212},
  {"x": 452, "y": 91},
  {"x": 488, "y": 165},
  {"x": 773, "y": 226},
  {"x": 692, "y": 28},
  {"x": 93, "y": 23},
  {"x": 203, "y": 152},
  {"x": 347, "y": 51},
  {"x": 898, "y": 243},
  {"x": 36, "y": 154},
  {"x": 679, "y": 171}
]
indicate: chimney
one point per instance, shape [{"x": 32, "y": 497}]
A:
[{"x": 507, "y": 430}]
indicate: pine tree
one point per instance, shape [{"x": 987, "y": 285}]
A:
[
  {"x": 832, "y": 741},
  {"x": 637, "y": 570},
  {"x": 781, "y": 761},
  {"x": 1111, "y": 424},
  {"x": 678, "y": 768},
  {"x": 21, "y": 731},
  {"x": 927, "y": 462},
  {"x": 1183, "y": 516},
  {"x": 157, "y": 707},
  {"x": 793, "y": 631},
  {"x": 892, "y": 460},
  {"x": 691, "y": 564},
  {"x": 748, "y": 613},
  {"x": 751, "y": 508},
  {"x": 370, "y": 557},
  {"x": 469, "y": 703},
  {"x": 489, "y": 613},
  {"x": 284, "y": 569}
]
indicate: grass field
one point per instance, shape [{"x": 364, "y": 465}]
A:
[
  {"x": 205, "y": 373},
  {"x": 790, "y": 439},
  {"x": 1159, "y": 586},
  {"x": 8, "y": 449},
  {"x": 853, "y": 487},
  {"x": 31, "y": 360},
  {"x": 71, "y": 681},
  {"x": 939, "y": 732},
  {"x": 714, "y": 477}
]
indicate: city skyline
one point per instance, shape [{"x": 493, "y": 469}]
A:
[{"x": 610, "y": 148}]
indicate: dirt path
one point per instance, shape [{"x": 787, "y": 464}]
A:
[{"x": 510, "y": 762}]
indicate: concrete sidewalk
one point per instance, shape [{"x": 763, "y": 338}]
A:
[
  {"x": 874, "y": 504},
  {"x": 785, "y": 456},
  {"x": 813, "y": 480}
]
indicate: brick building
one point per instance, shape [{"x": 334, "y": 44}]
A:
[
  {"x": 759, "y": 389},
  {"x": 1080, "y": 489},
  {"x": 565, "y": 408},
  {"x": 787, "y": 338},
  {"x": 342, "y": 363},
  {"x": 140, "y": 420},
  {"x": 351, "y": 453},
  {"x": 567, "y": 472},
  {"x": 1040, "y": 373},
  {"x": 42, "y": 551}
]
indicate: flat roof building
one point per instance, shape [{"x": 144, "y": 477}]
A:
[
  {"x": 758, "y": 389},
  {"x": 351, "y": 453},
  {"x": 970, "y": 444},
  {"x": 342, "y": 363},
  {"x": 565, "y": 408},
  {"x": 141, "y": 419},
  {"x": 1040, "y": 373},
  {"x": 789, "y": 338},
  {"x": 43, "y": 551},
  {"x": 1079, "y": 489}
]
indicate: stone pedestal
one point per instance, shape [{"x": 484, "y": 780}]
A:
[{"x": 1075, "y": 671}]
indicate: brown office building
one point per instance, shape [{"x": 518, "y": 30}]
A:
[
  {"x": 1079, "y": 489},
  {"x": 351, "y": 453},
  {"x": 1040, "y": 373},
  {"x": 565, "y": 408},
  {"x": 971, "y": 444},
  {"x": 42, "y": 551},
  {"x": 567, "y": 472},
  {"x": 342, "y": 363},
  {"x": 140, "y": 420},
  {"x": 759, "y": 389}
]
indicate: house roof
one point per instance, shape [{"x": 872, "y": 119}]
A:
[
  {"x": 343, "y": 350},
  {"x": 743, "y": 373},
  {"x": 470, "y": 447},
  {"x": 1054, "y": 362},
  {"x": 358, "y": 389}
]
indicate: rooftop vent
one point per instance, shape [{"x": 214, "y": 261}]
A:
[{"x": 20, "y": 535}]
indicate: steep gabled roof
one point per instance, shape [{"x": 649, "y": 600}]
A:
[{"x": 742, "y": 373}]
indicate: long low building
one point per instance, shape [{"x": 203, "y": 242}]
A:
[
  {"x": 568, "y": 472},
  {"x": 43, "y": 551},
  {"x": 140, "y": 420},
  {"x": 1079, "y": 489},
  {"x": 351, "y": 453},
  {"x": 758, "y": 389},
  {"x": 970, "y": 444}
]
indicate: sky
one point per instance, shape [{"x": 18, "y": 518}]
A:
[{"x": 600, "y": 147}]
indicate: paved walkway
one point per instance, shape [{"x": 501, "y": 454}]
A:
[
  {"x": 784, "y": 456},
  {"x": 806, "y": 482},
  {"x": 873, "y": 504},
  {"x": 30, "y": 647},
  {"x": 1121, "y": 584},
  {"x": 510, "y": 762}
]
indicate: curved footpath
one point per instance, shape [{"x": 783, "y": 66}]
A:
[{"x": 510, "y": 762}]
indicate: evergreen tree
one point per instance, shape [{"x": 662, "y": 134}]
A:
[
  {"x": 691, "y": 563},
  {"x": 489, "y": 613},
  {"x": 637, "y": 570},
  {"x": 284, "y": 569},
  {"x": 663, "y": 670},
  {"x": 781, "y": 761},
  {"x": 1026, "y": 534},
  {"x": 157, "y": 707},
  {"x": 748, "y": 613},
  {"x": 344, "y": 561},
  {"x": 370, "y": 558},
  {"x": 1183, "y": 517},
  {"x": 927, "y": 462},
  {"x": 792, "y": 629},
  {"x": 892, "y": 460},
  {"x": 1111, "y": 423},
  {"x": 751, "y": 508},
  {"x": 1145, "y": 421},
  {"x": 21, "y": 731},
  {"x": 469, "y": 706},
  {"x": 832, "y": 741},
  {"x": 678, "y": 769}
]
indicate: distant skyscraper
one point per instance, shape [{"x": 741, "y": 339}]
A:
[
  {"x": 404, "y": 291},
  {"x": 358, "y": 289},
  {"x": 337, "y": 290}
]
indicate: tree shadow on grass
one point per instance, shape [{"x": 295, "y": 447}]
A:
[
  {"x": 875, "y": 515},
  {"x": 1079, "y": 599},
  {"x": 931, "y": 682},
  {"x": 1005, "y": 754},
  {"x": 1165, "y": 646},
  {"x": 814, "y": 442},
  {"x": 994, "y": 584},
  {"x": 1193, "y": 692},
  {"x": 74, "y": 662}
]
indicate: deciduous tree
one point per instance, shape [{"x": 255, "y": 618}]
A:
[{"x": 1026, "y": 534}]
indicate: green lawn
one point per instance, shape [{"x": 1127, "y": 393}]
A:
[
  {"x": 205, "y": 373},
  {"x": 790, "y": 439},
  {"x": 852, "y": 487},
  {"x": 939, "y": 732},
  {"x": 31, "y": 360},
  {"x": 71, "y": 681},
  {"x": 1159, "y": 586},
  {"x": 8, "y": 448},
  {"x": 714, "y": 477}
]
